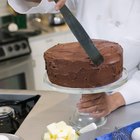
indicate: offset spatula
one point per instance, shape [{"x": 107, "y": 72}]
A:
[{"x": 81, "y": 36}]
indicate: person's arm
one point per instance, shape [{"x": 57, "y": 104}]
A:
[
  {"x": 131, "y": 89},
  {"x": 58, "y": 5},
  {"x": 35, "y": 6}
]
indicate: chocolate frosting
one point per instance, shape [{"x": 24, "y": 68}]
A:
[{"x": 68, "y": 65}]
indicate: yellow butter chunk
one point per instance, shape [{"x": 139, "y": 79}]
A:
[
  {"x": 60, "y": 131},
  {"x": 52, "y": 129}
]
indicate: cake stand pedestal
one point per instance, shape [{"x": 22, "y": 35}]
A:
[{"x": 80, "y": 120}]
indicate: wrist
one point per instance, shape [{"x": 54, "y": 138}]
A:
[{"x": 116, "y": 101}]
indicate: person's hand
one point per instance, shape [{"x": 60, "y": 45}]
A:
[
  {"x": 100, "y": 104},
  {"x": 59, "y": 4}
]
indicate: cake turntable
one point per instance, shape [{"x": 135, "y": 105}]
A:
[{"x": 79, "y": 120}]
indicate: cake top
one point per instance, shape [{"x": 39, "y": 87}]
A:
[{"x": 73, "y": 51}]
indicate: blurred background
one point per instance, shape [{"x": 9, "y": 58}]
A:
[{"x": 43, "y": 22}]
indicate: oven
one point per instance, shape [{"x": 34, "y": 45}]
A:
[
  {"x": 16, "y": 64},
  {"x": 17, "y": 73}
]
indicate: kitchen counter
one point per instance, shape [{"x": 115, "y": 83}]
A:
[{"x": 54, "y": 107}]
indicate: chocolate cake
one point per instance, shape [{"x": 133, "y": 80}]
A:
[{"x": 68, "y": 65}]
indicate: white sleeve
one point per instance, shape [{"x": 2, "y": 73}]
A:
[
  {"x": 131, "y": 90},
  {"x": 131, "y": 52},
  {"x": 22, "y": 6}
]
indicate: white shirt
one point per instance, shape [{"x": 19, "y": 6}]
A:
[{"x": 114, "y": 20}]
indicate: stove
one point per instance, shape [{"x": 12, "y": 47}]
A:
[
  {"x": 14, "y": 109},
  {"x": 13, "y": 45}
]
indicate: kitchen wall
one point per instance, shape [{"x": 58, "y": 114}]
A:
[{"x": 3, "y": 8}]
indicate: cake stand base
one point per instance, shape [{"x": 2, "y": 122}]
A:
[{"x": 80, "y": 120}]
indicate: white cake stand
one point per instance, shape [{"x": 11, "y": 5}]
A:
[{"x": 79, "y": 120}]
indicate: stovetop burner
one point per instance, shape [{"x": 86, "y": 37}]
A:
[
  {"x": 13, "y": 111},
  {"x": 6, "y": 111}
]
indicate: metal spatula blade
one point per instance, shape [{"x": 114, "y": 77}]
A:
[{"x": 81, "y": 36}]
